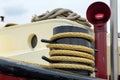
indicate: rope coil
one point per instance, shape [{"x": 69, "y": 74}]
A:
[
  {"x": 71, "y": 47},
  {"x": 71, "y": 53},
  {"x": 73, "y": 34},
  {"x": 72, "y": 59},
  {"x": 69, "y": 56},
  {"x": 72, "y": 66},
  {"x": 61, "y": 13}
]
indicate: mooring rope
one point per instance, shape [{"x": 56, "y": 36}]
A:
[
  {"x": 72, "y": 66},
  {"x": 74, "y": 35},
  {"x": 71, "y": 53},
  {"x": 61, "y": 13},
  {"x": 72, "y": 59},
  {"x": 71, "y": 47},
  {"x": 69, "y": 56}
]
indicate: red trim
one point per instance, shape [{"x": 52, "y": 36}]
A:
[{"x": 6, "y": 77}]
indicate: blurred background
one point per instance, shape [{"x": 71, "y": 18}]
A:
[{"x": 21, "y": 11}]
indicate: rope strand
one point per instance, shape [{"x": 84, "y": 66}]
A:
[{"x": 61, "y": 13}]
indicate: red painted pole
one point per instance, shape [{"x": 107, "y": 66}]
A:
[
  {"x": 101, "y": 54},
  {"x": 98, "y": 14}
]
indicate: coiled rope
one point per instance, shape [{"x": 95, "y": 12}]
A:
[
  {"x": 73, "y": 34},
  {"x": 68, "y": 56},
  {"x": 61, "y": 13}
]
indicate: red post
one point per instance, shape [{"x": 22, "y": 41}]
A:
[
  {"x": 101, "y": 54},
  {"x": 98, "y": 14}
]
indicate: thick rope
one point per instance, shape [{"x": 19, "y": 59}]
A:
[
  {"x": 71, "y": 56},
  {"x": 71, "y": 53},
  {"x": 71, "y": 47},
  {"x": 72, "y": 59},
  {"x": 72, "y": 66},
  {"x": 61, "y": 13},
  {"x": 72, "y": 34}
]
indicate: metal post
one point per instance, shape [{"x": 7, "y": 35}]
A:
[
  {"x": 2, "y": 18},
  {"x": 114, "y": 40},
  {"x": 118, "y": 35}
]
